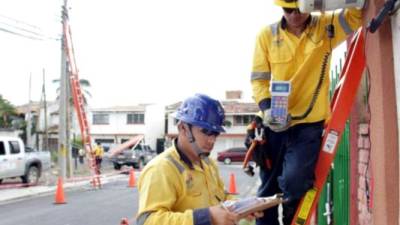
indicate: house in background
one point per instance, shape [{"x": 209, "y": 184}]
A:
[
  {"x": 238, "y": 114},
  {"x": 48, "y": 125},
  {"x": 115, "y": 125}
]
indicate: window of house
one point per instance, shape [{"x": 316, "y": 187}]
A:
[
  {"x": 135, "y": 118},
  {"x": 242, "y": 120},
  {"x": 101, "y": 118},
  {"x": 14, "y": 147},
  {"x": 2, "y": 148}
]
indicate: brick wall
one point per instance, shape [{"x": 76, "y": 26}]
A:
[{"x": 364, "y": 176}]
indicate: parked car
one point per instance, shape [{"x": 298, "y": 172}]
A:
[
  {"x": 17, "y": 160},
  {"x": 137, "y": 156},
  {"x": 236, "y": 154}
]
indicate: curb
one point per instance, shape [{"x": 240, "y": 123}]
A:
[{"x": 12, "y": 195}]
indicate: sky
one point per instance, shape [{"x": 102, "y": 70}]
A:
[{"x": 133, "y": 51}]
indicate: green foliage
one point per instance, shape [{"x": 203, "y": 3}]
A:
[
  {"x": 227, "y": 123},
  {"x": 85, "y": 84},
  {"x": 77, "y": 142},
  {"x": 7, "y": 110}
]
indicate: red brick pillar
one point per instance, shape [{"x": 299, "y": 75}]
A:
[
  {"x": 364, "y": 192},
  {"x": 383, "y": 129}
]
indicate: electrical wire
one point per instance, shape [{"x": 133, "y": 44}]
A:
[
  {"x": 23, "y": 29},
  {"x": 20, "y": 22},
  {"x": 20, "y": 34}
]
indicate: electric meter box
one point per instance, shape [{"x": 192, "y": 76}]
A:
[
  {"x": 280, "y": 91},
  {"x": 327, "y": 5}
]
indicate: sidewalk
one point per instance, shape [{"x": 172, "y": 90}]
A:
[{"x": 48, "y": 184}]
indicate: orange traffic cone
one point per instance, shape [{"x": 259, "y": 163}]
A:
[
  {"x": 59, "y": 198},
  {"x": 124, "y": 221},
  {"x": 232, "y": 184},
  {"x": 131, "y": 178}
]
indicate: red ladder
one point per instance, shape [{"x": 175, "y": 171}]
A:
[
  {"x": 78, "y": 99},
  {"x": 341, "y": 105}
]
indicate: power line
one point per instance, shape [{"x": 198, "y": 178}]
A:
[
  {"x": 21, "y": 22},
  {"x": 24, "y": 29},
  {"x": 20, "y": 34}
]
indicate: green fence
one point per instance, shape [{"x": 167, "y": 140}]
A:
[{"x": 334, "y": 205}]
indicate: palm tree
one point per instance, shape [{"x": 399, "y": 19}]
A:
[
  {"x": 84, "y": 85},
  {"x": 7, "y": 110}
]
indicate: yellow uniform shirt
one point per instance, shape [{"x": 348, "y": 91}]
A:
[
  {"x": 98, "y": 151},
  {"x": 280, "y": 55},
  {"x": 170, "y": 189}
]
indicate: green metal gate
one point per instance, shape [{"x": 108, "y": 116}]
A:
[{"x": 334, "y": 205}]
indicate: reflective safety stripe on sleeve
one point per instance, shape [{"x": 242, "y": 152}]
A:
[
  {"x": 142, "y": 218},
  {"x": 260, "y": 76},
  {"x": 343, "y": 23}
]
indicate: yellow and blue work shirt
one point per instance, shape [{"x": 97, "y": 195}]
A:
[
  {"x": 281, "y": 55},
  {"x": 172, "y": 190}
]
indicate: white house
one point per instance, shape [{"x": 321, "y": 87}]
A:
[{"x": 115, "y": 125}]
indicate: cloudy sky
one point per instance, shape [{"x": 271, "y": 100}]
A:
[{"x": 133, "y": 51}]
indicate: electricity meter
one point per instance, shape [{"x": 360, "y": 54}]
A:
[{"x": 326, "y": 5}]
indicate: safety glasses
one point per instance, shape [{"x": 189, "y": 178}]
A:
[
  {"x": 209, "y": 132},
  {"x": 291, "y": 10}
]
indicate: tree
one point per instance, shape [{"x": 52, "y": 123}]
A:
[
  {"x": 84, "y": 85},
  {"x": 7, "y": 111}
]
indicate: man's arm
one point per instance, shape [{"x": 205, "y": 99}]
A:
[
  {"x": 261, "y": 72},
  {"x": 345, "y": 21}
]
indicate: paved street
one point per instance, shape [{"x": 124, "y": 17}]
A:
[
  {"x": 95, "y": 207},
  {"x": 84, "y": 206}
]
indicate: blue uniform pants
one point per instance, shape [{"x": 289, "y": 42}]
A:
[{"x": 293, "y": 154}]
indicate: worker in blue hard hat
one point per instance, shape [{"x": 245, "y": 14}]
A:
[
  {"x": 294, "y": 53},
  {"x": 182, "y": 185}
]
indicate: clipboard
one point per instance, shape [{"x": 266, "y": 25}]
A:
[{"x": 246, "y": 206}]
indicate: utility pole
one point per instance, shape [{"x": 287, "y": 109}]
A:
[
  {"x": 68, "y": 125},
  {"x": 28, "y": 115},
  {"x": 62, "y": 133},
  {"x": 46, "y": 132}
]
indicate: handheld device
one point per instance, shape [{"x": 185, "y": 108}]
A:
[
  {"x": 280, "y": 91},
  {"x": 326, "y": 5}
]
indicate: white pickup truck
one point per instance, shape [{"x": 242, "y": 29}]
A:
[{"x": 16, "y": 160}]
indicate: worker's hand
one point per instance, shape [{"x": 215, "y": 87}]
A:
[
  {"x": 254, "y": 129},
  {"x": 222, "y": 216},
  {"x": 254, "y": 216},
  {"x": 268, "y": 121}
]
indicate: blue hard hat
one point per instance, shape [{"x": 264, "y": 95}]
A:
[{"x": 202, "y": 111}]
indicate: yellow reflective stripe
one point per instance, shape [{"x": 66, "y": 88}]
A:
[
  {"x": 260, "y": 76},
  {"x": 343, "y": 23}
]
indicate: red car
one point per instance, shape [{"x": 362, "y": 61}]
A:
[{"x": 236, "y": 154}]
